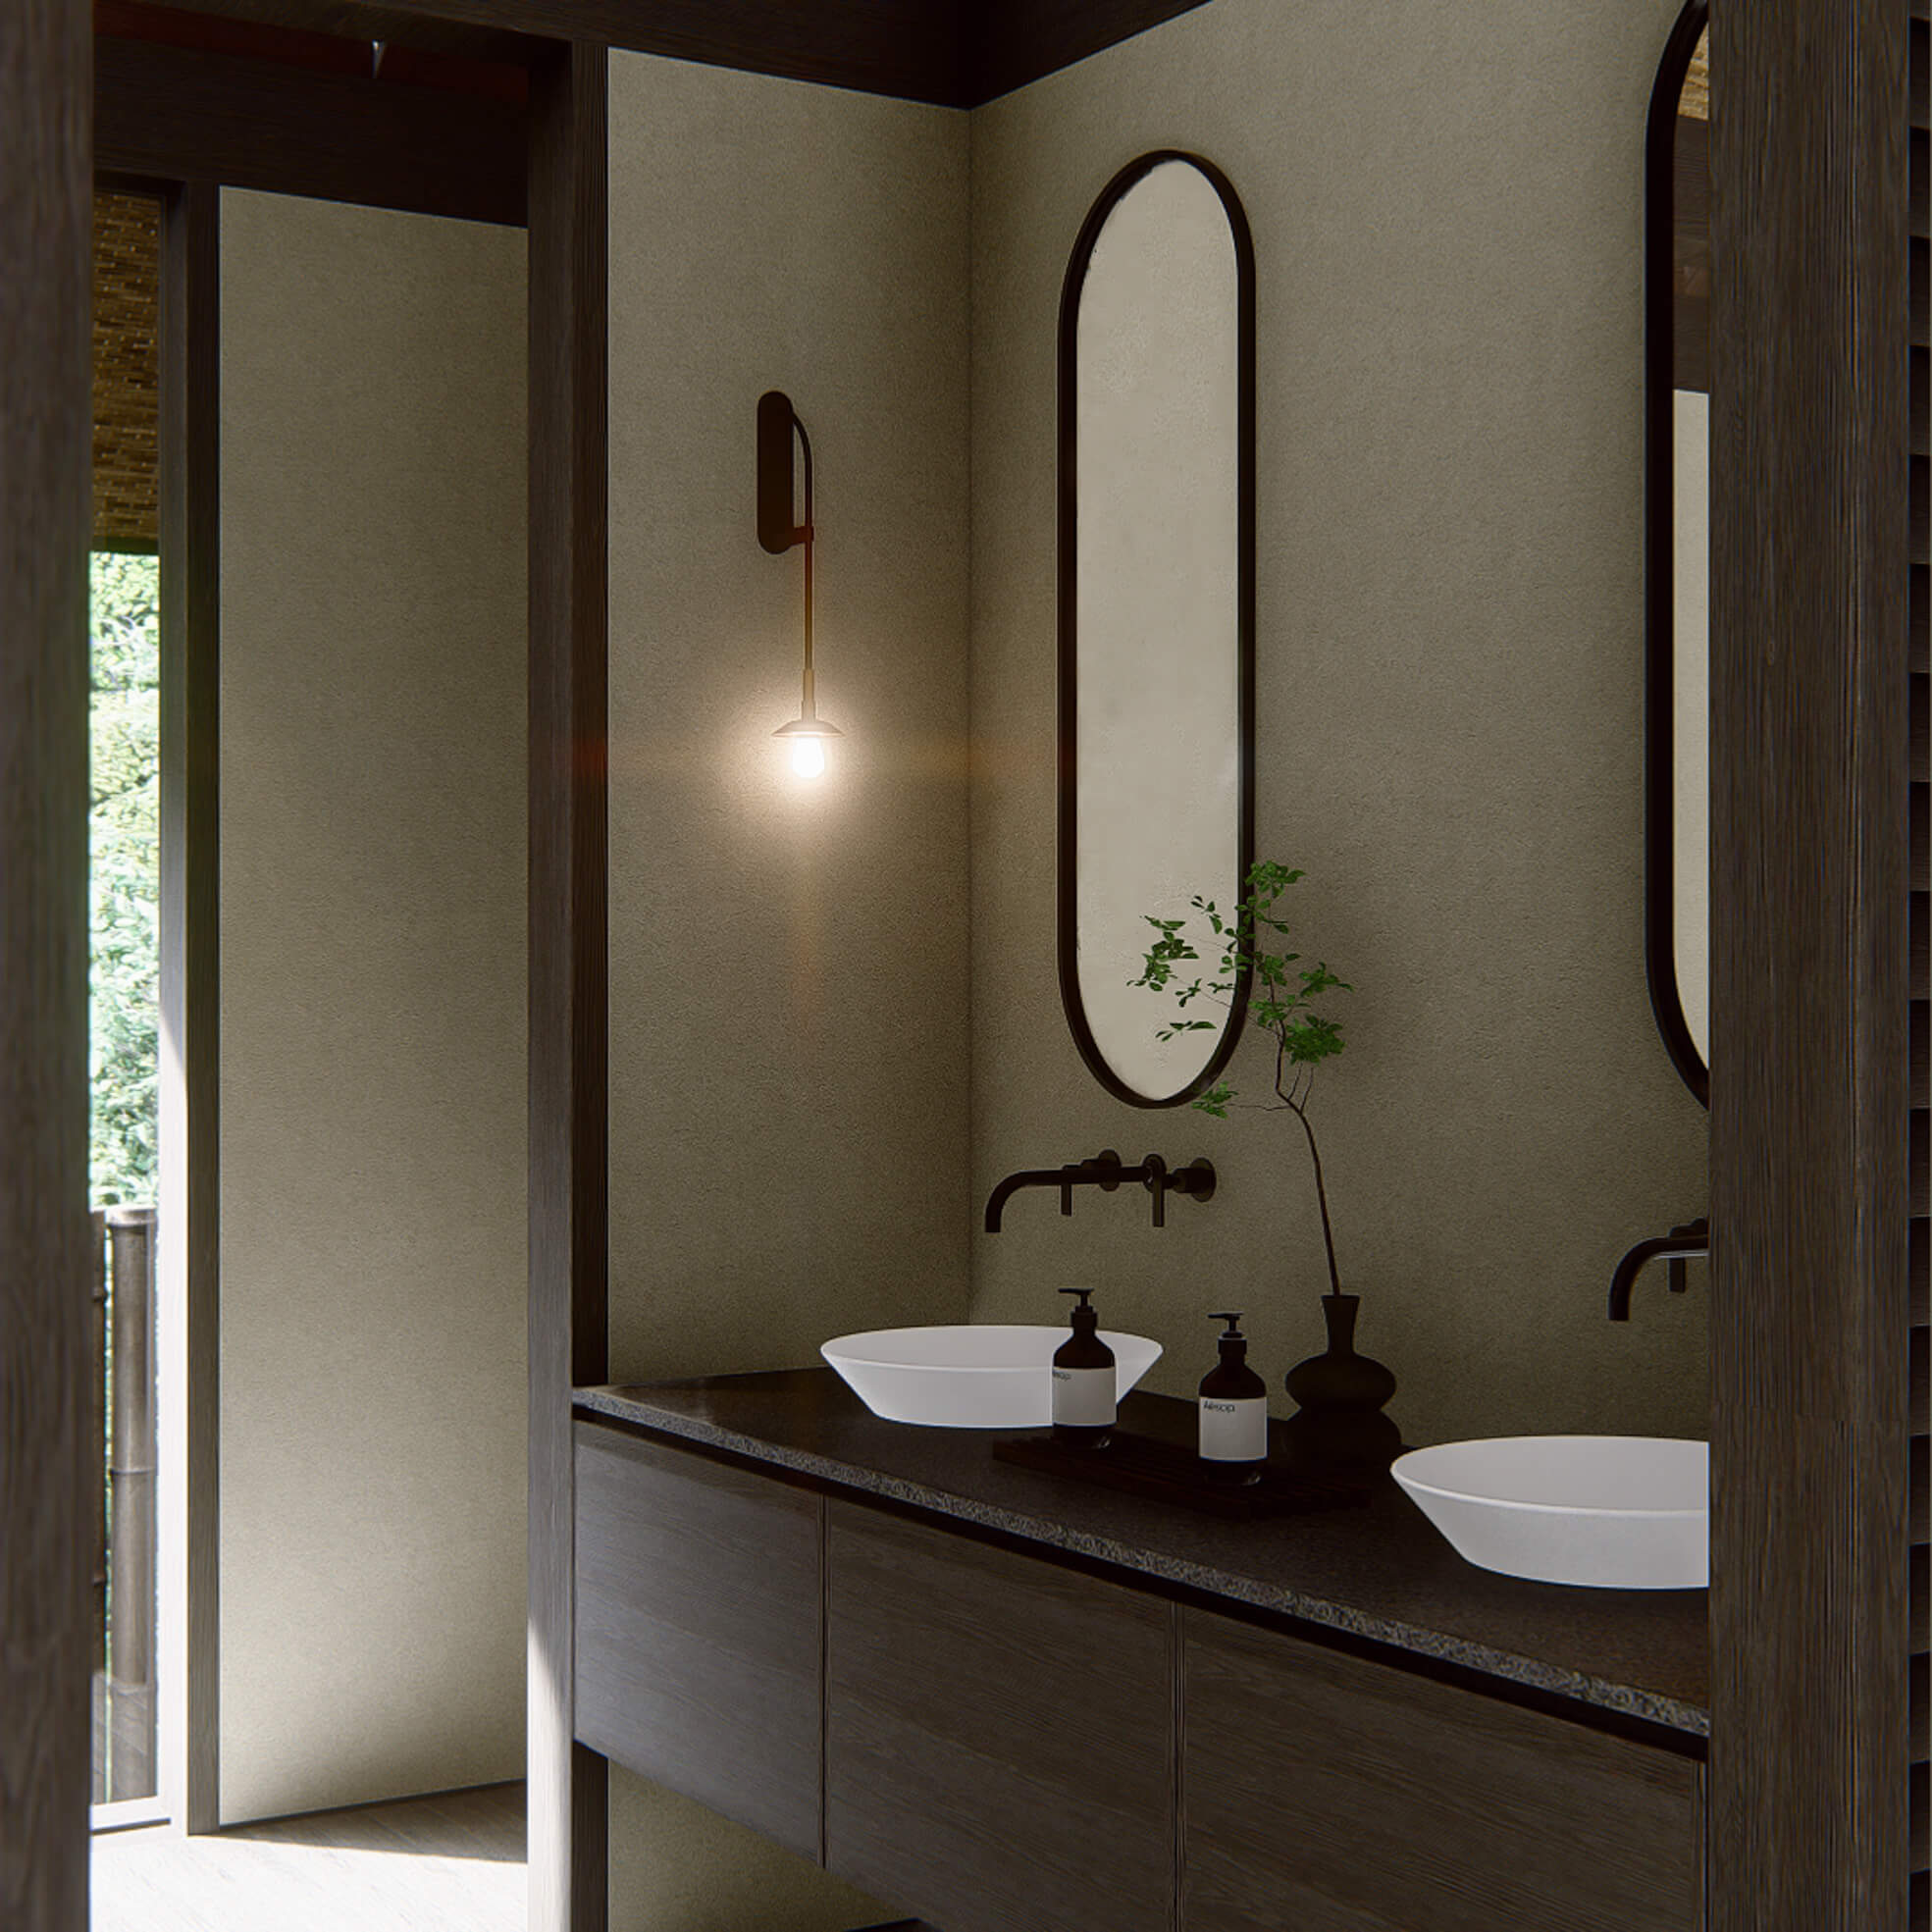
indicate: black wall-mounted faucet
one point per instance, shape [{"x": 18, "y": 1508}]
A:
[
  {"x": 1692, "y": 1238},
  {"x": 1105, "y": 1173}
]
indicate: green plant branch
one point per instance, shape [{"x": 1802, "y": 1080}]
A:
[{"x": 1284, "y": 1012}]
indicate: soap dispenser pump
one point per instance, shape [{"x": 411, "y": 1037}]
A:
[
  {"x": 1086, "y": 1383},
  {"x": 1233, "y": 1412}
]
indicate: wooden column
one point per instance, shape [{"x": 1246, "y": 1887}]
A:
[
  {"x": 47, "y": 1479},
  {"x": 568, "y": 967},
  {"x": 1809, "y": 984}
]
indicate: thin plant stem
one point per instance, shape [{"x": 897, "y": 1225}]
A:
[{"x": 1322, "y": 1195}]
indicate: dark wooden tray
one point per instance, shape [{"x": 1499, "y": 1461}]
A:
[{"x": 1166, "y": 1472}]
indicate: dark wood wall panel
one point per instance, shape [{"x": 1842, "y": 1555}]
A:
[
  {"x": 188, "y": 114},
  {"x": 569, "y": 1128},
  {"x": 1810, "y": 1173},
  {"x": 47, "y": 1498}
]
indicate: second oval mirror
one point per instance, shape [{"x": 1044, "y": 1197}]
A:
[
  {"x": 1677, "y": 782},
  {"x": 1156, "y": 605}
]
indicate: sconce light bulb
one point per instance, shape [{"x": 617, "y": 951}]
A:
[{"x": 809, "y": 757}]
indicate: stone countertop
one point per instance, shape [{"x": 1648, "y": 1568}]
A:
[{"x": 1381, "y": 1572}]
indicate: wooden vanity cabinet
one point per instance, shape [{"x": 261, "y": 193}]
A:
[
  {"x": 998, "y": 1741},
  {"x": 697, "y": 1630},
  {"x": 1000, "y": 1734},
  {"x": 1333, "y": 1795}
]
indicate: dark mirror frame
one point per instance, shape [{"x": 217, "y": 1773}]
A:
[
  {"x": 1110, "y": 196},
  {"x": 1660, "y": 320}
]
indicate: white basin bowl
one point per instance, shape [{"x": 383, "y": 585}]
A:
[
  {"x": 979, "y": 1376},
  {"x": 1620, "y": 1512}
]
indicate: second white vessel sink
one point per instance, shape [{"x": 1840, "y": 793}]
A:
[
  {"x": 1618, "y": 1512},
  {"x": 975, "y": 1376}
]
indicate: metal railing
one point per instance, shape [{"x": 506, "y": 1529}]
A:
[{"x": 124, "y": 1568}]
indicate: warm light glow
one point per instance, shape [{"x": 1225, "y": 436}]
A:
[{"x": 809, "y": 757}]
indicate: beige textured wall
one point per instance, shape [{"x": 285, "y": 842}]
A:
[
  {"x": 788, "y": 961},
  {"x": 1446, "y": 205},
  {"x": 373, "y": 1030}
]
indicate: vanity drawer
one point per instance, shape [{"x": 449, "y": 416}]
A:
[
  {"x": 999, "y": 1734},
  {"x": 1335, "y": 1795},
  {"x": 697, "y": 1630}
]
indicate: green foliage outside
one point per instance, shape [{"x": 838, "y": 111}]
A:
[
  {"x": 1279, "y": 1003},
  {"x": 126, "y": 879}
]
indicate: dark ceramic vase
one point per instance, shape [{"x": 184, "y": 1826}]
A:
[{"x": 1338, "y": 1427}]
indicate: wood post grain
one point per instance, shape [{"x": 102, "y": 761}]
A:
[
  {"x": 47, "y": 1475},
  {"x": 1808, "y": 1787}
]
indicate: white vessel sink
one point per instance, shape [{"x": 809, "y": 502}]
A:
[
  {"x": 978, "y": 1376},
  {"x": 1620, "y": 1512}
]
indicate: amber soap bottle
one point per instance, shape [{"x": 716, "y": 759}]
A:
[
  {"x": 1085, "y": 1382},
  {"x": 1233, "y": 1412}
]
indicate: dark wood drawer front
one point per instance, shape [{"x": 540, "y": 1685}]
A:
[
  {"x": 1000, "y": 1744},
  {"x": 1330, "y": 1794},
  {"x": 698, "y": 1631}
]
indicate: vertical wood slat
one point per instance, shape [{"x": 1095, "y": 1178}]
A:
[
  {"x": 1919, "y": 1061},
  {"x": 1810, "y": 592},
  {"x": 48, "y": 1474},
  {"x": 190, "y": 942},
  {"x": 568, "y": 1024}
]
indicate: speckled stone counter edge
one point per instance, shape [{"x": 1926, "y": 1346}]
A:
[{"x": 1263, "y": 1596}]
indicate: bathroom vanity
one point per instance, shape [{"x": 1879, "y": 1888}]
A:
[{"x": 1010, "y": 1703}]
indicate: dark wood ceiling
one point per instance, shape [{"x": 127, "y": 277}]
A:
[{"x": 956, "y": 52}]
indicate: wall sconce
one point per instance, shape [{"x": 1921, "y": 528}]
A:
[{"x": 778, "y": 533}]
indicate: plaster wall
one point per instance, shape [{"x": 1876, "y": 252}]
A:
[
  {"x": 1446, "y": 206},
  {"x": 788, "y": 958},
  {"x": 373, "y": 1251}
]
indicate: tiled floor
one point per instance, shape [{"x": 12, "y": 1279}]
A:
[{"x": 450, "y": 1864}]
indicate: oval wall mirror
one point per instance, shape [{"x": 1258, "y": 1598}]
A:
[
  {"x": 1156, "y": 605},
  {"x": 1677, "y": 543}
]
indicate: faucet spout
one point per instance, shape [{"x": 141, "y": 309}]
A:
[
  {"x": 1026, "y": 1178},
  {"x": 1692, "y": 1238}
]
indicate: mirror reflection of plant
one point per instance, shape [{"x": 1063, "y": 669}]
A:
[{"x": 1279, "y": 1003}]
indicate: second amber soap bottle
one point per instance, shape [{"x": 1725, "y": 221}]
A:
[{"x": 1233, "y": 1412}]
